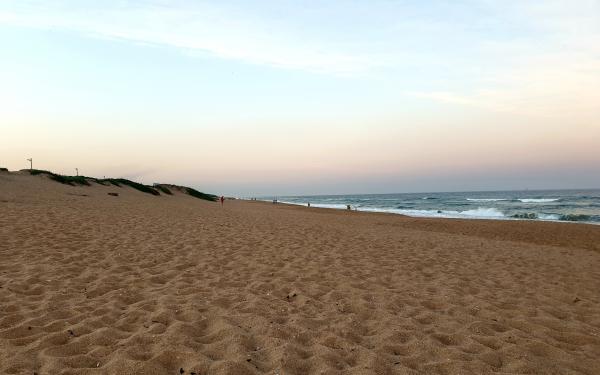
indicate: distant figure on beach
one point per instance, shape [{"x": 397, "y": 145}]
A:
[
  {"x": 222, "y": 200},
  {"x": 308, "y": 204},
  {"x": 348, "y": 207}
]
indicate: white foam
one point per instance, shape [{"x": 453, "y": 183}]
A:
[
  {"x": 484, "y": 212},
  {"x": 479, "y": 213},
  {"x": 548, "y": 217},
  {"x": 328, "y": 205},
  {"x": 486, "y": 199},
  {"x": 319, "y": 205},
  {"x": 539, "y": 200}
]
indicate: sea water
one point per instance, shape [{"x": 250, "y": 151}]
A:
[{"x": 548, "y": 205}]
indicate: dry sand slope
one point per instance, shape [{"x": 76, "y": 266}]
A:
[{"x": 138, "y": 284}]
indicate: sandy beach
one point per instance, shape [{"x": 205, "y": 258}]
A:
[{"x": 92, "y": 283}]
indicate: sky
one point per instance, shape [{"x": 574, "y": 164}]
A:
[{"x": 290, "y": 97}]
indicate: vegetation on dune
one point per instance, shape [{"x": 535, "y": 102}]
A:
[
  {"x": 107, "y": 181},
  {"x": 83, "y": 180},
  {"x": 67, "y": 180},
  {"x": 154, "y": 190},
  {"x": 186, "y": 190},
  {"x": 35, "y": 172},
  {"x": 70, "y": 180},
  {"x": 196, "y": 194},
  {"x": 163, "y": 189},
  {"x": 137, "y": 186},
  {"x": 3, "y": 169}
]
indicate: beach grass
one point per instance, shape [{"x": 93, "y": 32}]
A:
[
  {"x": 67, "y": 180},
  {"x": 119, "y": 182},
  {"x": 164, "y": 189},
  {"x": 195, "y": 193},
  {"x": 135, "y": 185}
]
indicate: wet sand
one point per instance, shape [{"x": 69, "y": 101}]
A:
[{"x": 137, "y": 284}]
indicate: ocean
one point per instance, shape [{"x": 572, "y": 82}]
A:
[{"x": 547, "y": 205}]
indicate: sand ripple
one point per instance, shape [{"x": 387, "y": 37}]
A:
[{"x": 138, "y": 284}]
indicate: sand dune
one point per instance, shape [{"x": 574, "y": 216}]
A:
[{"x": 137, "y": 284}]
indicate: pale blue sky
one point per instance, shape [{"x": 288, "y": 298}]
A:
[{"x": 292, "y": 97}]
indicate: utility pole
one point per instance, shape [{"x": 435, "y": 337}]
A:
[
  {"x": 77, "y": 171},
  {"x": 30, "y": 163}
]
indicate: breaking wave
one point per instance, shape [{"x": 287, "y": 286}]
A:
[
  {"x": 479, "y": 213},
  {"x": 565, "y": 206},
  {"x": 539, "y": 200}
]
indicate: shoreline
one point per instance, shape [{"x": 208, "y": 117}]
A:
[
  {"x": 383, "y": 211},
  {"x": 558, "y": 233}
]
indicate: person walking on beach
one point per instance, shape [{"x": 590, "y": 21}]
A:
[{"x": 222, "y": 199}]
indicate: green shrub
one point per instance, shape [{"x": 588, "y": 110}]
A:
[
  {"x": 82, "y": 180},
  {"x": 35, "y": 172},
  {"x": 67, "y": 180},
  {"x": 196, "y": 194},
  {"x": 70, "y": 180},
  {"x": 164, "y": 189},
  {"x": 135, "y": 185}
]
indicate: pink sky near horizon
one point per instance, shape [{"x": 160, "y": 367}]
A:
[{"x": 246, "y": 100}]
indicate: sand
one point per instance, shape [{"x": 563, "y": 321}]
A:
[{"x": 136, "y": 284}]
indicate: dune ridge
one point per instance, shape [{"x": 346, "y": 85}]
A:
[
  {"x": 138, "y": 284},
  {"x": 155, "y": 189}
]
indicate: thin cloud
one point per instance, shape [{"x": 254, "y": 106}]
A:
[
  {"x": 524, "y": 50},
  {"x": 219, "y": 31},
  {"x": 549, "y": 69}
]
